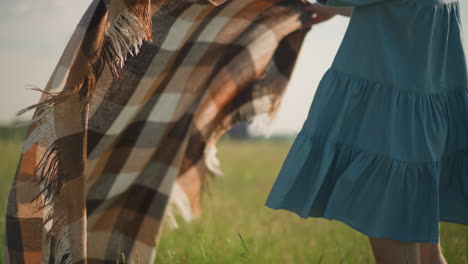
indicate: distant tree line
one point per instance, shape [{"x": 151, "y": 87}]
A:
[
  {"x": 239, "y": 132},
  {"x": 11, "y": 132}
]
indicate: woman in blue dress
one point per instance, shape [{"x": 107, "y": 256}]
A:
[{"x": 384, "y": 148}]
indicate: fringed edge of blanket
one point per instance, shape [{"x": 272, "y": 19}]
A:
[
  {"x": 260, "y": 123},
  {"x": 124, "y": 35},
  {"x": 179, "y": 203}
]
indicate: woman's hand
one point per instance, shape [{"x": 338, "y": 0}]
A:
[{"x": 324, "y": 13}]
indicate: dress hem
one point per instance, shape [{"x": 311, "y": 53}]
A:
[
  {"x": 288, "y": 193},
  {"x": 355, "y": 227}
]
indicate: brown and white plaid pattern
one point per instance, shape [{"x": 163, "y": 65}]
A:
[{"x": 111, "y": 142}]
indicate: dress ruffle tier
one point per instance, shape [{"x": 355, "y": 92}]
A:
[{"x": 389, "y": 162}]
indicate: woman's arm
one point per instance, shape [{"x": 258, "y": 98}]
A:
[
  {"x": 348, "y": 2},
  {"x": 344, "y": 11}
]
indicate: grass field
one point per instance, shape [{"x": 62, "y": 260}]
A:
[{"x": 236, "y": 227}]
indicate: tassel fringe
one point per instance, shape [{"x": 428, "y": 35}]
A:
[
  {"x": 179, "y": 204},
  {"x": 262, "y": 124},
  {"x": 50, "y": 176},
  {"x": 211, "y": 160},
  {"x": 124, "y": 36},
  {"x": 43, "y": 132},
  {"x": 61, "y": 248}
]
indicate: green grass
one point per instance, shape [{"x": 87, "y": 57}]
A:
[
  {"x": 9, "y": 157},
  {"x": 236, "y": 227}
]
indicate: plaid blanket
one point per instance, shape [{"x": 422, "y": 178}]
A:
[{"x": 125, "y": 130}]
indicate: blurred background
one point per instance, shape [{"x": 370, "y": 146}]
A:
[
  {"x": 35, "y": 32},
  {"x": 29, "y": 51},
  {"x": 235, "y": 226}
]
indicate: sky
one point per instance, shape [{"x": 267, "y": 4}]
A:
[{"x": 35, "y": 32}]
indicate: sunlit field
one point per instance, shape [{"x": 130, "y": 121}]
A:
[{"x": 236, "y": 227}]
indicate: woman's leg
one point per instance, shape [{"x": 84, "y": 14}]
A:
[
  {"x": 387, "y": 251},
  {"x": 431, "y": 253}
]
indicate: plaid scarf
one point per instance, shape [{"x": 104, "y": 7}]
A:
[{"x": 128, "y": 121}]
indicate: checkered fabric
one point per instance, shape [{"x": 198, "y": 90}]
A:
[{"x": 128, "y": 122}]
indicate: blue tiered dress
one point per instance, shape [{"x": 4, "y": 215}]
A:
[{"x": 384, "y": 148}]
